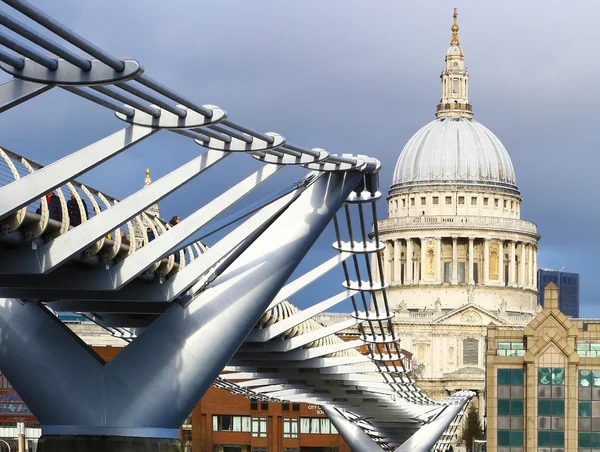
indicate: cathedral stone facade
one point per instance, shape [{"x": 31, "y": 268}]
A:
[{"x": 457, "y": 255}]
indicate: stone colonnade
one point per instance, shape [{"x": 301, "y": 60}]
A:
[{"x": 420, "y": 260}]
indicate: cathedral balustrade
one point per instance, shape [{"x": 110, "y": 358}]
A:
[{"x": 427, "y": 221}]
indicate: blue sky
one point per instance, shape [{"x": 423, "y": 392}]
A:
[{"x": 352, "y": 77}]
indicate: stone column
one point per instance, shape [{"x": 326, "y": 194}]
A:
[
  {"x": 397, "y": 262},
  {"x": 522, "y": 269},
  {"x": 422, "y": 276},
  {"x": 471, "y": 257},
  {"x": 408, "y": 278},
  {"x": 454, "y": 260},
  {"x": 438, "y": 260},
  {"x": 512, "y": 269},
  {"x": 386, "y": 262},
  {"x": 534, "y": 284},
  {"x": 501, "y": 262},
  {"x": 486, "y": 261},
  {"x": 530, "y": 261}
]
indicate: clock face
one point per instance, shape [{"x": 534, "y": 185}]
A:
[{"x": 455, "y": 64}]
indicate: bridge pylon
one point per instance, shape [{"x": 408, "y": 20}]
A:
[{"x": 137, "y": 401}]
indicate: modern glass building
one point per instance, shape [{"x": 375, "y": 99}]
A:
[{"x": 568, "y": 289}]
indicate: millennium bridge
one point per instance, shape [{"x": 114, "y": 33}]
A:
[{"x": 193, "y": 316}]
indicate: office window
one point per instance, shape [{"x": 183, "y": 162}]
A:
[
  {"x": 470, "y": 351},
  {"x": 485, "y": 201},
  {"x": 461, "y": 199},
  {"x": 551, "y": 408},
  {"x": 589, "y": 410},
  {"x": 588, "y": 350},
  {"x": 259, "y": 449},
  {"x": 264, "y": 405},
  {"x": 285, "y": 407},
  {"x": 290, "y": 428},
  {"x": 423, "y": 200},
  {"x": 226, "y": 423},
  {"x": 448, "y": 199},
  {"x": 295, "y": 407},
  {"x": 412, "y": 201},
  {"x": 259, "y": 427},
  {"x": 317, "y": 426},
  {"x": 253, "y": 404},
  {"x": 510, "y": 349},
  {"x": 473, "y": 200},
  {"x": 511, "y": 421},
  {"x": 436, "y": 199}
]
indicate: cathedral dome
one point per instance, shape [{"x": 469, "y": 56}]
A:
[{"x": 454, "y": 150}]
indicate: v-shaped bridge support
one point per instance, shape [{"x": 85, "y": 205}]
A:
[{"x": 151, "y": 386}]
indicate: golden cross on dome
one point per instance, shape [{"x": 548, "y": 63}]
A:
[
  {"x": 147, "y": 181},
  {"x": 454, "y": 29}
]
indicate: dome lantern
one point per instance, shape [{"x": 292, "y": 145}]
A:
[{"x": 455, "y": 81}]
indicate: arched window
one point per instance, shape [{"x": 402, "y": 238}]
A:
[{"x": 470, "y": 351}]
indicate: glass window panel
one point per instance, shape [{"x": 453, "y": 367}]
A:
[
  {"x": 314, "y": 425},
  {"x": 503, "y": 346},
  {"x": 215, "y": 423},
  {"x": 226, "y": 423},
  {"x": 585, "y": 439},
  {"x": 294, "y": 423},
  {"x": 502, "y": 352},
  {"x": 558, "y": 376},
  {"x": 585, "y": 378},
  {"x": 263, "y": 427},
  {"x": 596, "y": 378},
  {"x": 516, "y": 438},
  {"x": 447, "y": 272},
  {"x": 245, "y": 423},
  {"x": 237, "y": 424},
  {"x": 503, "y": 376},
  {"x": 558, "y": 407},
  {"x": 461, "y": 273},
  {"x": 503, "y": 437},
  {"x": 558, "y": 438},
  {"x": 585, "y": 409},
  {"x": 305, "y": 424},
  {"x": 516, "y": 407},
  {"x": 544, "y": 407},
  {"x": 517, "y": 346},
  {"x": 544, "y": 376},
  {"x": 517, "y": 377},
  {"x": 595, "y": 439},
  {"x": 595, "y": 346},
  {"x": 504, "y": 407},
  {"x": 333, "y": 430},
  {"x": 325, "y": 426},
  {"x": 286, "y": 426},
  {"x": 544, "y": 438}
]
